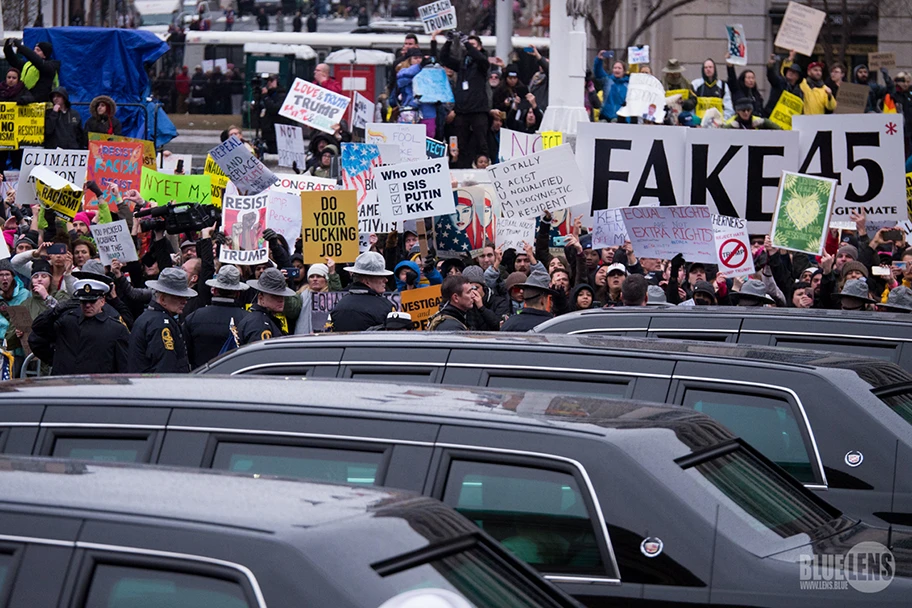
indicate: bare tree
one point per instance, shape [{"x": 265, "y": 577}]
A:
[
  {"x": 471, "y": 15},
  {"x": 656, "y": 11},
  {"x": 600, "y": 17}
]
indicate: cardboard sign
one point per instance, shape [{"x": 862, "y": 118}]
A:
[
  {"x": 296, "y": 184},
  {"x": 409, "y": 138},
  {"x": 363, "y": 111},
  {"x": 431, "y": 85},
  {"x": 162, "y": 188},
  {"x": 56, "y": 193},
  {"x": 434, "y": 148},
  {"x": 421, "y": 304},
  {"x": 218, "y": 180},
  {"x": 637, "y": 55},
  {"x": 865, "y": 153},
  {"x": 359, "y": 161},
  {"x": 117, "y": 162},
  {"x": 168, "y": 164},
  {"x": 243, "y": 221},
  {"x": 242, "y": 167},
  {"x": 30, "y": 124},
  {"x": 329, "y": 227},
  {"x": 664, "y": 232},
  {"x": 609, "y": 230},
  {"x": 514, "y": 144},
  {"x": 283, "y": 214},
  {"x": 732, "y": 246},
  {"x": 803, "y": 212},
  {"x": 68, "y": 164},
  {"x": 799, "y": 28},
  {"x": 511, "y": 234},
  {"x": 148, "y": 147},
  {"x": 881, "y": 60},
  {"x": 114, "y": 242},
  {"x": 528, "y": 186},
  {"x": 645, "y": 99},
  {"x": 290, "y": 144},
  {"x": 440, "y": 15},
  {"x": 314, "y": 106},
  {"x": 8, "y": 113},
  {"x": 737, "y": 44},
  {"x": 414, "y": 190},
  {"x": 852, "y": 98},
  {"x": 20, "y": 318}
]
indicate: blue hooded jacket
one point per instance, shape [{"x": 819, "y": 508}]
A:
[
  {"x": 434, "y": 278},
  {"x": 406, "y": 93},
  {"x": 614, "y": 92}
]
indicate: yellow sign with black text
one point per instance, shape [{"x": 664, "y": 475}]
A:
[
  {"x": 788, "y": 105},
  {"x": 64, "y": 202},
  {"x": 329, "y": 225},
  {"x": 421, "y": 304}
]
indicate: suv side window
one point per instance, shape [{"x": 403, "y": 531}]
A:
[
  {"x": 769, "y": 424},
  {"x": 580, "y": 384},
  {"x": 7, "y": 562},
  {"x": 538, "y": 514},
  {"x": 114, "y": 586},
  {"x": 118, "y": 446}
]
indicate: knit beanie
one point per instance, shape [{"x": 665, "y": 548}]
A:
[{"x": 853, "y": 265}]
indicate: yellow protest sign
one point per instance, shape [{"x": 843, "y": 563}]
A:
[
  {"x": 551, "y": 139},
  {"x": 56, "y": 193},
  {"x": 421, "y": 304},
  {"x": 909, "y": 194},
  {"x": 8, "y": 114},
  {"x": 684, "y": 93},
  {"x": 788, "y": 105},
  {"x": 30, "y": 124},
  {"x": 148, "y": 146},
  {"x": 329, "y": 226},
  {"x": 705, "y": 103},
  {"x": 219, "y": 181}
]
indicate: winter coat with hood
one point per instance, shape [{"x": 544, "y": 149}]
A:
[
  {"x": 63, "y": 129},
  {"x": 614, "y": 91},
  {"x": 575, "y": 292},
  {"x": 39, "y": 75},
  {"x": 740, "y": 90},
  {"x": 471, "y": 97},
  {"x": 107, "y": 123},
  {"x": 419, "y": 281},
  {"x": 407, "y": 94},
  {"x": 713, "y": 87}
]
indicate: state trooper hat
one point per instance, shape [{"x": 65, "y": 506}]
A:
[
  {"x": 272, "y": 281},
  {"x": 899, "y": 300},
  {"x": 228, "y": 279},
  {"x": 370, "y": 263},
  {"x": 93, "y": 269},
  {"x": 754, "y": 289},
  {"x": 89, "y": 290},
  {"x": 857, "y": 289},
  {"x": 538, "y": 281},
  {"x": 172, "y": 281}
]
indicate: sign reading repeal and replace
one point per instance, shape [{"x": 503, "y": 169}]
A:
[
  {"x": 243, "y": 221},
  {"x": 329, "y": 227},
  {"x": 114, "y": 242},
  {"x": 414, "y": 190},
  {"x": 314, "y": 106},
  {"x": 440, "y": 15},
  {"x": 528, "y": 186},
  {"x": 68, "y": 164},
  {"x": 242, "y": 167},
  {"x": 162, "y": 188}
]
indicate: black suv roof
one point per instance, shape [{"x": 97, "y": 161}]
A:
[{"x": 736, "y": 311}]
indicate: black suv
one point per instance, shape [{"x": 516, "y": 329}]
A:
[
  {"x": 608, "y": 499},
  {"x": 96, "y": 535},
  {"x": 886, "y": 336},
  {"x": 841, "y": 425}
]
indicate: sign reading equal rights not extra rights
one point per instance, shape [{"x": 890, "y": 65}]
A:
[
  {"x": 528, "y": 186},
  {"x": 314, "y": 106},
  {"x": 664, "y": 232},
  {"x": 414, "y": 190}
]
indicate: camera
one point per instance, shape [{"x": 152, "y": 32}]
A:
[{"x": 177, "y": 218}]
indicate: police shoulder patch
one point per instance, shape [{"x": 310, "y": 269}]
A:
[{"x": 167, "y": 339}]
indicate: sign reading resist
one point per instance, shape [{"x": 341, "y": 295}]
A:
[
  {"x": 414, "y": 190},
  {"x": 528, "y": 186}
]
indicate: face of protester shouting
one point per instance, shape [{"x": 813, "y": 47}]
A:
[
  {"x": 272, "y": 303},
  {"x": 617, "y": 70},
  {"x": 616, "y": 280},
  {"x": 750, "y": 80},
  {"x": 803, "y": 298},
  {"x": 7, "y": 284},
  {"x": 81, "y": 254},
  {"x": 487, "y": 257},
  {"x": 607, "y": 254}
]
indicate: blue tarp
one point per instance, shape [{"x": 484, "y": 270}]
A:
[{"x": 107, "y": 61}]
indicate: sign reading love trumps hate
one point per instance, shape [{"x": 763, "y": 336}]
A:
[
  {"x": 242, "y": 167},
  {"x": 528, "y": 186},
  {"x": 314, "y": 106},
  {"x": 414, "y": 190}
]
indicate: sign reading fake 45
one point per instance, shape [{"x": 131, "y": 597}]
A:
[{"x": 865, "y": 155}]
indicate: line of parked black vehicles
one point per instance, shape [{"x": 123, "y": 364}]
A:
[{"x": 650, "y": 457}]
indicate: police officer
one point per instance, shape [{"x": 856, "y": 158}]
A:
[
  {"x": 207, "y": 329},
  {"x": 80, "y": 336},
  {"x": 363, "y": 306},
  {"x": 260, "y": 324},
  {"x": 114, "y": 306},
  {"x": 538, "y": 300},
  {"x": 157, "y": 343}
]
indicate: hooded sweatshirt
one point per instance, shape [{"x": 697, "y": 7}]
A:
[
  {"x": 103, "y": 124},
  {"x": 707, "y": 87},
  {"x": 63, "y": 129},
  {"x": 575, "y": 292},
  {"x": 740, "y": 90}
]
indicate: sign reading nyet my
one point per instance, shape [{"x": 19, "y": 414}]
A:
[
  {"x": 528, "y": 186},
  {"x": 114, "y": 242},
  {"x": 414, "y": 190},
  {"x": 314, "y": 106}
]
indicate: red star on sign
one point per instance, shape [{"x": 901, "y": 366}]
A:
[{"x": 891, "y": 128}]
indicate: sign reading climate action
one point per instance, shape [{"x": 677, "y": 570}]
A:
[
  {"x": 415, "y": 190},
  {"x": 68, "y": 164},
  {"x": 329, "y": 226},
  {"x": 527, "y": 187},
  {"x": 314, "y": 106}
]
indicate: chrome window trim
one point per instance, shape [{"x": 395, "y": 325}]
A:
[
  {"x": 592, "y": 495},
  {"x": 774, "y": 333},
  {"x": 605, "y": 330},
  {"x": 19, "y": 424},
  {"x": 213, "y": 429},
  {"x": 112, "y": 425},
  {"x": 393, "y": 363},
  {"x": 268, "y": 365},
  {"x": 569, "y": 578},
  {"x": 694, "y": 329},
  {"x": 34, "y": 540},
  {"x": 774, "y": 387},
  {"x": 536, "y": 368}
]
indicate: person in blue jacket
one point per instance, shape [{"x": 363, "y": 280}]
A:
[
  {"x": 614, "y": 89},
  {"x": 411, "y": 65}
]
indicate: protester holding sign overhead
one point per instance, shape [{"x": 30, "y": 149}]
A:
[
  {"x": 614, "y": 85},
  {"x": 786, "y": 95},
  {"x": 471, "y": 95},
  {"x": 745, "y": 87},
  {"x": 39, "y": 70}
]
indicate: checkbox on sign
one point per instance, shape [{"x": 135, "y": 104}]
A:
[
  {"x": 394, "y": 188},
  {"x": 396, "y": 200},
  {"x": 397, "y": 210}
]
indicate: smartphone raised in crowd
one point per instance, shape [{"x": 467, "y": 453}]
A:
[
  {"x": 454, "y": 143},
  {"x": 292, "y": 273},
  {"x": 892, "y": 235},
  {"x": 57, "y": 249}
]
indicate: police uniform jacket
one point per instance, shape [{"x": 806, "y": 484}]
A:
[
  {"x": 157, "y": 343},
  {"x": 206, "y": 329},
  {"x": 526, "y": 319},
  {"x": 360, "y": 309},
  {"x": 75, "y": 344},
  {"x": 258, "y": 325}
]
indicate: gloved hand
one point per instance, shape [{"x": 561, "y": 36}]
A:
[
  {"x": 220, "y": 238},
  {"x": 677, "y": 263},
  {"x": 270, "y": 235}
]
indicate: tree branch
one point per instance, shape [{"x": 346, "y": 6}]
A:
[{"x": 652, "y": 17}]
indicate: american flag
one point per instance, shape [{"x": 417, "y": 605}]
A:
[
  {"x": 449, "y": 237},
  {"x": 358, "y": 162}
]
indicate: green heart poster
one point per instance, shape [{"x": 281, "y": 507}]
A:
[{"x": 802, "y": 214}]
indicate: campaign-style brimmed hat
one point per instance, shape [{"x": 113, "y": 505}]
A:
[
  {"x": 272, "y": 281},
  {"x": 755, "y": 290},
  {"x": 228, "y": 279},
  {"x": 673, "y": 67},
  {"x": 370, "y": 263},
  {"x": 900, "y": 299},
  {"x": 539, "y": 280},
  {"x": 172, "y": 281},
  {"x": 89, "y": 290},
  {"x": 857, "y": 289}
]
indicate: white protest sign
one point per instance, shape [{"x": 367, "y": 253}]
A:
[
  {"x": 609, "y": 229},
  {"x": 414, "y": 190},
  {"x": 168, "y": 164},
  {"x": 409, "y": 138},
  {"x": 732, "y": 246},
  {"x": 114, "y": 242},
  {"x": 865, "y": 153},
  {"x": 736, "y": 172},
  {"x": 207, "y": 65},
  {"x": 363, "y": 112},
  {"x": 359, "y": 162},
  {"x": 799, "y": 28},
  {"x": 242, "y": 167},
  {"x": 514, "y": 144},
  {"x": 296, "y": 184},
  {"x": 222, "y": 64},
  {"x": 737, "y": 44},
  {"x": 314, "y": 106},
  {"x": 390, "y": 154},
  {"x": 638, "y": 54},
  {"x": 290, "y": 144},
  {"x": 528, "y": 186},
  {"x": 906, "y": 226},
  {"x": 645, "y": 98},
  {"x": 243, "y": 221},
  {"x": 440, "y": 15},
  {"x": 511, "y": 234},
  {"x": 69, "y": 164},
  {"x": 283, "y": 214},
  {"x": 664, "y": 232}
]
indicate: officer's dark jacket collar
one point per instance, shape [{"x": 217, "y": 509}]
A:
[{"x": 362, "y": 289}]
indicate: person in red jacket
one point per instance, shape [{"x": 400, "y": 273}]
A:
[
  {"x": 182, "y": 86},
  {"x": 322, "y": 78}
]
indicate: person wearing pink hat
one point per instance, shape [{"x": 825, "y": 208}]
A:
[{"x": 82, "y": 221}]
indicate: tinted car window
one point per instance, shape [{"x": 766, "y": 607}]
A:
[
  {"x": 341, "y": 466},
  {"x": 383, "y": 375},
  {"x": 6, "y": 566},
  {"x": 528, "y": 382},
  {"x": 766, "y": 423},
  {"x": 539, "y": 515},
  {"x": 104, "y": 449},
  {"x": 125, "y": 587},
  {"x": 900, "y": 401},
  {"x": 879, "y": 350}
]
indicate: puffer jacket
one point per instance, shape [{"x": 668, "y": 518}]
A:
[{"x": 103, "y": 124}]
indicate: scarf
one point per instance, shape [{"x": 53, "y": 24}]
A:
[
  {"x": 8, "y": 93},
  {"x": 814, "y": 84}
]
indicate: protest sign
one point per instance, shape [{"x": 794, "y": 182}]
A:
[
  {"x": 168, "y": 164},
  {"x": 296, "y": 184},
  {"x": 414, "y": 190},
  {"x": 118, "y": 162},
  {"x": 638, "y": 54},
  {"x": 329, "y": 227},
  {"x": 283, "y": 214},
  {"x": 852, "y": 98},
  {"x": 421, "y": 304},
  {"x": 786, "y": 107},
  {"x": 409, "y": 138},
  {"x": 515, "y": 234},
  {"x": 732, "y": 246},
  {"x": 645, "y": 98},
  {"x": 881, "y": 60},
  {"x": 358, "y": 164},
  {"x": 20, "y": 318},
  {"x": 314, "y": 106},
  {"x": 737, "y": 44},
  {"x": 148, "y": 155},
  {"x": 472, "y": 224},
  {"x": 8, "y": 113},
  {"x": 218, "y": 179},
  {"x": 434, "y": 148},
  {"x": 243, "y": 221},
  {"x": 609, "y": 230},
  {"x": 114, "y": 242},
  {"x": 290, "y": 143},
  {"x": 803, "y": 212},
  {"x": 242, "y": 167},
  {"x": 909, "y": 194},
  {"x": 551, "y": 139},
  {"x": 514, "y": 144},
  {"x": 363, "y": 111},
  {"x": 906, "y": 226},
  {"x": 30, "y": 124},
  {"x": 799, "y": 28},
  {"x": 162, "y": 188},
  {"x": 865, "y": 153},
  {"x": 431, "y": 85},
  {"x": 68, "y": 164},
  {"x": 440, "y": 15},
  {"x": 528, "y": 186},
  {"x": 664, "y": 232},
  {"x": 56, "y": 193}
]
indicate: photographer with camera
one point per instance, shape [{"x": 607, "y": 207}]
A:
[{"x": 471, "y": 94}]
